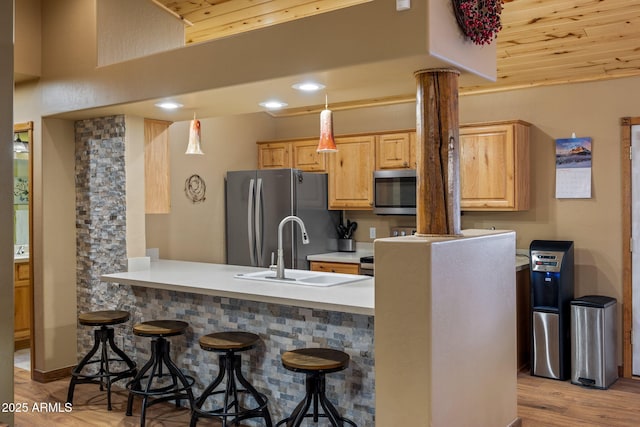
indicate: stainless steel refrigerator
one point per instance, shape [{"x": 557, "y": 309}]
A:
[{"x": 256, "y": 202}]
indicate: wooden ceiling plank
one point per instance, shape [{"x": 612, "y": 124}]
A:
[
  {"x": 249, "y": 13},
  {"x": 186, "y": 7},
  {"x": 204, "y": 30},
  {"x": 570, "y": 24},
  {"x": 606, "y": 48},
  {"x": 226, "y": 11},
  {"x": 524, "y": 14}
]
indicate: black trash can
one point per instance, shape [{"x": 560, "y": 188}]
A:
[{"x": 593, "y": 341}]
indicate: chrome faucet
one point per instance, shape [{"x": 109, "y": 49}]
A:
[{"x": 305, "y": 240}]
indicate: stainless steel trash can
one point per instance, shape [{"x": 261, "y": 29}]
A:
[{"x": 593, "y": 341}]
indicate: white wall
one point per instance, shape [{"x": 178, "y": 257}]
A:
[
  {"x": 54, "y": 254},
  {"x": 143, "y": 30},
  {"x": 134, "y": 171},
  {"x": 196, "y": 232}
]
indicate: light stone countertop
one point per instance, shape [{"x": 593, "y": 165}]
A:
[
  {"x": 218, "y": 280},
  {"x": 345, "y": 257},
  {"x": 20, "y": 258},
  {"x": 522, "y": 261}
]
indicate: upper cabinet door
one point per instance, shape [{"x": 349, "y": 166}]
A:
[
  {"x": 274, "y": 155},
  {"x": 494, "y": 167},
  {"x": 351, "y": 173},
  {"x": 306, "y": 158},
  {"x": 157, "y": 178},
  {"x": 393, "y": 151}
]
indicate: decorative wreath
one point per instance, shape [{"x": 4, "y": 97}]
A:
[
  {"x": 195, "y": 189},
  {"x": 479, "y": 19}
]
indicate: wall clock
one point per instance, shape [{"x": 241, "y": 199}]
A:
[{"x": 479, "y": 20}]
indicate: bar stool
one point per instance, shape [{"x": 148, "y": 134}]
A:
[
  {"x": 103, "y": 339},
  {"x": 159, "y": 385},
  {"x": 229, "y": 344},
  {"x": 315, "y": 363}
]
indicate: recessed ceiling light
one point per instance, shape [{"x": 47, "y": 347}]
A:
[
  {"x": 308, "y": 86},
  {"x": 273, "y": 105},
  {"x": 169, "y": 105}
]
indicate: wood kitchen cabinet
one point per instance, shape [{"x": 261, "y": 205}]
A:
[
  {"x": 335, "y": 267},
  {"x": 351, "y": 173},
  {"x": 494, "y": 166},
  {"x": 274, "y": 155},
  {"x": 306, "y": 156},
  {"x": 393, "y": 151},
  {"x": 22, "y": 305},
  {"x": 157, "y": 180}
]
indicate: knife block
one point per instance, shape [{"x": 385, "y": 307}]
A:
[{"x": 346, "y": 245}]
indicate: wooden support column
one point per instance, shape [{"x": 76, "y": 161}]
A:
[{"x": 437, "y": 144}]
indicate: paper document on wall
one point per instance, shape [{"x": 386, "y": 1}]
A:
[{"x": 573, "y": 168}]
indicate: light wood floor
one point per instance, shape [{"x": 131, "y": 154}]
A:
[{"x": 541, "y": 403}]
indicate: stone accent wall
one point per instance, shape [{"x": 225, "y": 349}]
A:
[
  {"x": 100, "y": 217},
  {"x": 101, "y": 249},
  {"x": 281, "y": 328}
]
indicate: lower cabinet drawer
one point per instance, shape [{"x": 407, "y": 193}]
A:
[{"x": 335, "y": 267}]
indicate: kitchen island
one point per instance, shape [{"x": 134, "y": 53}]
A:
[
  {"x": 218, "y": 280},
  {"x": 285, "y": 316}
]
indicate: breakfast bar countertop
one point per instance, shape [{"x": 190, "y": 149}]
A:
[{"x": 218, "y": 280}]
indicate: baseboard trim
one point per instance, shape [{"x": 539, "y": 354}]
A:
[
  {"x": 48, "y": 376},
  {"x": 516, "y": 423}
]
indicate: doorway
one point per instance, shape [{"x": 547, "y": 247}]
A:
[{"x": 22, "y": 239}]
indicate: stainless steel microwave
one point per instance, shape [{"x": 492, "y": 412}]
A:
[{"x": 394, "y": 192}]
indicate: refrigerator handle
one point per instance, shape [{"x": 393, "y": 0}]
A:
[
  {"x": 258, "y": 221},
  {"x": 250, "y": 209}
]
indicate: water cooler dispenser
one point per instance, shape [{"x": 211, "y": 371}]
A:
[{"x": 551, "y": 294}]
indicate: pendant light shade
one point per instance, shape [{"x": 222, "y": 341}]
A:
[
  {"x": 19, "y": 146},
  {"x": 327, "y": 144},
  {"x": 194, "y": 137}
]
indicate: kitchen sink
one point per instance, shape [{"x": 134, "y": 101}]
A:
[{"x": 304, "y": 277}]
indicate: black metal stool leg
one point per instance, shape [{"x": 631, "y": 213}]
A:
[
  {"x": 231, "y": 411},
  {"x": 136, "y": 384},
  {"x": 262, "y": 402},
  {"x": 78, "y": 369},
  {"x": 104, "y": 376},
  {"x": 176, "y": 372},
  {"x": 330, "y": 411},
  {"x": 146, "y": 383}
]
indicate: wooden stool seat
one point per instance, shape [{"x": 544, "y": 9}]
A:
[
  {"x": 108, "y": 362},
  {"x": 315, "y": 363},
  {"x": 224, "y": 398},
  {"x": 315, "y": 359},
  {"x": 103, "y": 317},
  {"x": 160, "y": 328},
  {"x": 223, "y": 341}
]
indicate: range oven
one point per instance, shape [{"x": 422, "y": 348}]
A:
[{"x": 366, "y": 265}]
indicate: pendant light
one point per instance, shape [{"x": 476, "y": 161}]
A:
[
  {"x": 19, "y": 146},
  {"x": 327, "y": 144},
  {"x": 194, "y": 137}
]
